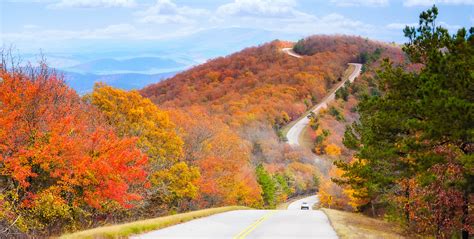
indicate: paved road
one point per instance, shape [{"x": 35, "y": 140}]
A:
[
  {"x": 295, "y": 131},
  {"x": 252, "y": 224},
  {"x": 290, "y": 52}
]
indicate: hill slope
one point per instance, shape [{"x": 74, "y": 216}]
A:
[
  {"x": 261, "y": 83},
  {"x": 253, "y": 93}
]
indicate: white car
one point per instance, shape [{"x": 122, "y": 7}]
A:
[{"x": 304, "y": 206}]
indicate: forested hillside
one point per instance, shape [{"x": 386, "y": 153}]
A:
[
  {"x": 262, "y": 83},
  {"x": 253, "y": 93},
  {"x": 325, "y": 133}
]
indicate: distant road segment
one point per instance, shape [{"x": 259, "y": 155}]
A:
[{"x": 293, "y": 134}]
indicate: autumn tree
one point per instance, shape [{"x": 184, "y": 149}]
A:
[
  {"x": 133, "y": 115},
  {"x": 60, "y": 163},
  {"x": 336, "y": 196},
  {"x": 227, "y": 177},
  {"x": 176, "y": 185}
]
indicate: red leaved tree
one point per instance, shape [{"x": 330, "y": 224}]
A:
[{"x": 59, "y": 162}]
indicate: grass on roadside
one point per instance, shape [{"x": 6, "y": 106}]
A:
[
  {"x": 127, "y": 229},
  {"x": 353, "y": 225}
]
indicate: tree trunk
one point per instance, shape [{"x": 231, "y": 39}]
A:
[
  {"x": 372, "y": 206},
  {"x": 407, "y": 205},
  {"x": 465, "y": 215}
]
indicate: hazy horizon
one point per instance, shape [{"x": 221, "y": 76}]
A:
[{"x": 71, "y": 32}]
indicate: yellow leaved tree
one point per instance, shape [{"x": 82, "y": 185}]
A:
[
  {"x": 176, "y": 184},
  {"x": 173, "y": 182},
  {"x": 133, "y": 115},
  {"x": 332, "y": 195},
  {"x": 333, "y": 150}
]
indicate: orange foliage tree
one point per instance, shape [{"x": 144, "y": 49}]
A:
[
  {"x": 223, "y": 158},
  {"x": 133, "y": 115},
  {"x": 59, "y": 162}
]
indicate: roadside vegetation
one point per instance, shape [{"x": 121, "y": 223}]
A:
[{"x": 406, "y": 143}]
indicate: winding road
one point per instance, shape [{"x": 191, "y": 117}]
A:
[
  {"x": 290, "y": 52},
  {"x": 293, "y": 134}
]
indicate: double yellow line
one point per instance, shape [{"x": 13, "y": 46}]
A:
[{"x": 254, "y": 225}]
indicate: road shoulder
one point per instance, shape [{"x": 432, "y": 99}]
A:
[{"x": 354, "y": 225}]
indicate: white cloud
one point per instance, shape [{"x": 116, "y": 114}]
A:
[
  {"x": 259, "y": 8},
  {"x": 41, "y": 37},
  {"x": 411, "y": 3},
  {"x": 92, "y": 3},
  {"x": 401, "y": 26},
  {"x": 165, "y": 11},
  {"x": 282, "y": 16},
  {"x": 352, "y": 3}
]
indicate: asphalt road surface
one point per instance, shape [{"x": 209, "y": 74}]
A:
[
  {"x": 290, "y": 52},
  {"x": 291, "y": 223}
]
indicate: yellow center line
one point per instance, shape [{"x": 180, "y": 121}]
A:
[{"x": 254, "y": 225}]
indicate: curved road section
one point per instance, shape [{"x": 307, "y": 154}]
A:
[
  {"x": 293, "y": 134},
  {"x": 290, "y": 52},
  {"x": 295, "y": 131}
]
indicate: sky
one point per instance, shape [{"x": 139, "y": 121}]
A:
[{"x": 90, "y": 28}]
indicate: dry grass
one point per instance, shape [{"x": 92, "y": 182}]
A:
[
  {"x": 353, "y": 225},
  {"x": 138, "y": 227},
  {"x": 305, "y": 139}
]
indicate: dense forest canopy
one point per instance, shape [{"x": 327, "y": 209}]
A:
[{"x": 262, "y": 82}]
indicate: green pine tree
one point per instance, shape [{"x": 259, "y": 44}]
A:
[{"x": 414, "y": 139}]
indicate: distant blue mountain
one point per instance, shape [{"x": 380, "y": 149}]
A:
[
  {"x": 84, "y": 83},
  {"x": 145, "y": 65},
  {"x": 141, "y": 63}
]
